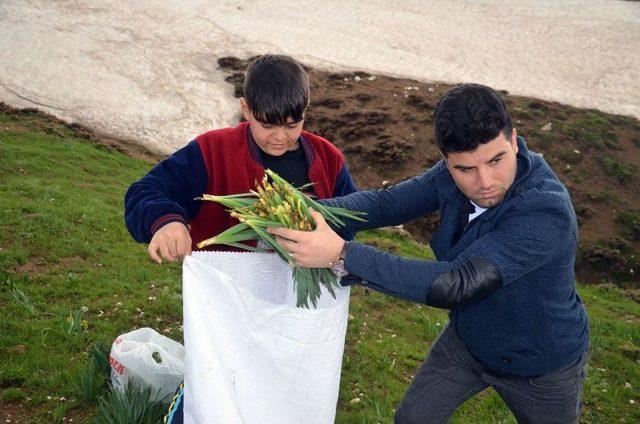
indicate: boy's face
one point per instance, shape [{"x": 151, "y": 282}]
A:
[
  {"x": 485, "y": 174},
  {"x": 273, "y": 139}
]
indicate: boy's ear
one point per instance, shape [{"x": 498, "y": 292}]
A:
[{"x": 245, "y": 109}]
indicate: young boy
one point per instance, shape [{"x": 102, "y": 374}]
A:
[{"x": 160, "y": 208}]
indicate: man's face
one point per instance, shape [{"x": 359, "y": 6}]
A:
[
  {"x": 273, "y": 139},
  {"x": 485, "y": 174}
]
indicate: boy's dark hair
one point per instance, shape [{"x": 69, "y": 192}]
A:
[
  {"x": 276, "y": 88},
  {"x": 469, "y": 115}
]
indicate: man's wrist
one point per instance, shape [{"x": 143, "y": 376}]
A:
[
  {"x": 343, "y": 252},
  {"x": 340, "y": 253},
  {"x": 337, "y": 264}
]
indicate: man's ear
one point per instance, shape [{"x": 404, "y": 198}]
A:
[
  {"x": 514, "y": 140},
  {"x": 245, "y": 109}
]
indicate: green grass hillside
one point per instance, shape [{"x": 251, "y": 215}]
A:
[{"x": 70, "y": 276}]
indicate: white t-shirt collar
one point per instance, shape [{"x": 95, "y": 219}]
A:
[{"x": 479, "y": 210}]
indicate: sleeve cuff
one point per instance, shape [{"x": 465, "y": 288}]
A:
[{"x": 166, "y": 219}]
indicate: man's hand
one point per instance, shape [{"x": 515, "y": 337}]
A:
[
  {"x": 310, "y": 249},
  {"x": 172, "y": 242}
]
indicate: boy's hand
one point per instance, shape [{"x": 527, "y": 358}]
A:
[
  {"x": 172, "y": 242},
  {"x": 310, "y": 249}
]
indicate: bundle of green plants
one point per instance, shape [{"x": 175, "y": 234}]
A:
[{"x": 276, "y": 203}]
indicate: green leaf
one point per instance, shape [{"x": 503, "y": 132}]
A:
[{"x": 247, "y": 247}]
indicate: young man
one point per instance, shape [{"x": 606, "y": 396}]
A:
[
  {"x": 505, "y": 250},
  {"x": 160, "y": 208}
]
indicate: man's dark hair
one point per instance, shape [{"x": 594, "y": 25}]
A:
[
  {"x": 469, "y": 115},
  {"x": 276, "y": 88}
]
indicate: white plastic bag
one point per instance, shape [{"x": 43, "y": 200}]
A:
[
  {"x": 148, "y": 357},
  {"x": 252, "y": 356}
]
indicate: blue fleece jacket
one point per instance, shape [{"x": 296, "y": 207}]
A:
[{"x": 535, "y": 322}]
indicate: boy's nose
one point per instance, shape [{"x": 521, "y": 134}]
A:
[{"x": 280, "y": 134}]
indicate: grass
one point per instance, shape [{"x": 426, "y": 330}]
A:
[
  {"x": 18, "y": 296},
  {"x": 72, "y": 280},
  {"x": 570, "y": 156},
  {"x": 65, "y": 248},
  {"x": 135, "y": 404},
  {"x": 590, "y": 130},
  {"x": 621, "y": 171},
  {"x": 12, "y": 395},
  {"x": 631, "y": 222}
]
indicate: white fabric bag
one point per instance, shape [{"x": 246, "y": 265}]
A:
[
  {"x": 252, "y": 356},
  {"x": 148, "y": 357}
]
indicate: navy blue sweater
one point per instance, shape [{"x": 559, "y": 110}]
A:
[{"x": 535, "y": 322}]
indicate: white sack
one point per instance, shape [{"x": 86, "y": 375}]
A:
[{"x": 252, "y": 356}]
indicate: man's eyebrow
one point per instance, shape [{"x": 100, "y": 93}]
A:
[
  {"x": 463, "y": 167},
  {"x": 497, "y": 156}
]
